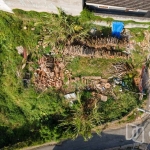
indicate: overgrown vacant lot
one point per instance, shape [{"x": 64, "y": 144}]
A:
[
  {"x": 91, "y": 67},
  {"x": 30, "y": 116}
]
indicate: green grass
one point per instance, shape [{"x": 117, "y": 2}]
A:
[
  {"x": 116, "y": 109},
  {"x": 86, "y": 15},
  {"x": 138, "y": 34},
  {"x": 81, "y": 66}
]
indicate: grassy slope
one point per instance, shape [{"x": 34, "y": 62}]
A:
[{"x": 20, "y": 107}]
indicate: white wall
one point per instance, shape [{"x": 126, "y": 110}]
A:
[{"x": 73, "y": 7}]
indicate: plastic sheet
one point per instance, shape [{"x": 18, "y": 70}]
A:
[{"x": 117, "y": 28}]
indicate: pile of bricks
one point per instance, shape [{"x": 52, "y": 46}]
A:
[{"x": 49, "y": 74}]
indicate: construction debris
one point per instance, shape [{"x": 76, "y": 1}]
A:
[
  {"x": 49, "y": 74},
  {"x": 121, "y": 68},
  {"x": 96, "y": 83},
  {"x": 103, "y": 98},
  {"x": 86, "y": 51}
]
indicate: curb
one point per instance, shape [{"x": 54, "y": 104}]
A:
[{"x": 43, "y": 145}]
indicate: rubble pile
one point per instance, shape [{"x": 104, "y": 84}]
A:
[
  {"x": 49, "y": 74},
  {"x": 86, "y": 51},
  {"x": 121, "y": 68},
  {"x": 96, "y": 83},
  {"x": 99, "y": 42}
]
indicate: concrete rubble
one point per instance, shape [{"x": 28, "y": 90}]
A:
[{"x": 50, "y": 73}]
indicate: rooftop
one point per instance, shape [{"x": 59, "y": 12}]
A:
[{"x": 131, "y": 4}]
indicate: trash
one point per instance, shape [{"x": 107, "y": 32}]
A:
[
  {"x": 103, "y": 98},
  {"x": 120, "y": 89},
  {"x": 107, "y": 85},
  {"x": 26, "y": 80},
  {"x": 117, "y": 80},
  {"x": 93, "y": 31},
  {"x": 20, "y": 49},
  {"x": 71, "y": 97},
  {"x": 141, "y": 96}
]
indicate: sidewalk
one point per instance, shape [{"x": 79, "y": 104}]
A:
[
  {"x": 129, "y": 25},
  {"x": 42, "y": 145}
]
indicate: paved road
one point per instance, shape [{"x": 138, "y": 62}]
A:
[{"x": 107, "y": 139}]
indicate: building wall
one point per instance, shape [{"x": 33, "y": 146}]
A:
[{"x": 73, "y": 7}]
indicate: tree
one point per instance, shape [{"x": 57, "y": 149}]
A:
[{"x": 83, "y": 117}]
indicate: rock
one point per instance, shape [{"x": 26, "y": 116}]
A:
[
  {"x": 107, "y": 85},
  {"x": 32, "y": 29},
  {"x": 20, "y": 49},
  {"x": 25, "y": 28},
  {"x": 103, "y": 98}
]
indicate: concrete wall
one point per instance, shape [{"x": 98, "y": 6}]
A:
[
  {"x": 124, "y": 18},
  {"x": 73, "y": 7}
]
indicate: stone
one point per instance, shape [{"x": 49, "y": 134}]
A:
[
  {"x": 32, "y": 29},
  {"x": 25, "y": 28},
  {"x": 103, "y": 98},
  {"x": 20, "y": 49},
  {"x": 107, "y": 85}
]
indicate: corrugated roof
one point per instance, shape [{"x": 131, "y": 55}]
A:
[{"x": 132, "y": 4}]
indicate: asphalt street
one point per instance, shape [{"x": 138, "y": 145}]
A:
[{"x": 108, "y": 139}]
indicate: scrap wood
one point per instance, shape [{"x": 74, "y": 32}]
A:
[{"x": 122, "y": 67}]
